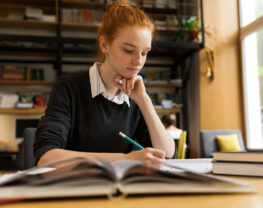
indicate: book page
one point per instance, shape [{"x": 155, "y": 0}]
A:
[
  {"x": 63, "y": 170},
  {"x": 7, "y": 178},
  {"x": 200, "y": 165},
  {"x": 120, "y": 167}
]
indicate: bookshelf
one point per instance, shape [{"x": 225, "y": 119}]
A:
[
  {"x": 27, "y": 24},
  {"x": 149, "y": 84},
  {"x": 53, "y": 37},
  {"x": 9, "y": 82},
  {"x": 22, "y": 111},
  {"x": 82, "y": 4},
  {"x": 168, "y": 110}
]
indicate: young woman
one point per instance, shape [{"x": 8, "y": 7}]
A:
[{"x": 86, "y": 111}]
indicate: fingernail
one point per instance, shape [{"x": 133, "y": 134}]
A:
[{"x": 120, "y": 81}]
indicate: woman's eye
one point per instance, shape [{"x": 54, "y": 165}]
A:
[{"x": 128, "y": 51}]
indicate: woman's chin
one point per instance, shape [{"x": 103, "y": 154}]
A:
[{"x": 129, "y": 75}]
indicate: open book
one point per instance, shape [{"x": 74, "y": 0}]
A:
[{"x": 79, "y": 177}]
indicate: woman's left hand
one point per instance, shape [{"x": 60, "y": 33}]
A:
[{"x": 133, "y": 87}]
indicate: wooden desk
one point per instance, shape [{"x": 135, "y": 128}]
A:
[{"x": 254, "y": 200}]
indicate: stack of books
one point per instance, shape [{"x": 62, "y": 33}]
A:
[
  {"x": 18, "y": 73},
  {"x": 245, "y": 163}
]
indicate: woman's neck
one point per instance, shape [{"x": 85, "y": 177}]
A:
[{"x": 107, "y": 75}]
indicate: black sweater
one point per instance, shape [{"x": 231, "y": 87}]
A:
[{"x": 75, "y": 121}]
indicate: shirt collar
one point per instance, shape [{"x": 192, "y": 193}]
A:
[{"x": 97, "y": 86}]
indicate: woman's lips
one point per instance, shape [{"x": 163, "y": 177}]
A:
[{"x": 133, "y": 69}]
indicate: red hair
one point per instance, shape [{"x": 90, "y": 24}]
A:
[{"x": 119, "y": 14}]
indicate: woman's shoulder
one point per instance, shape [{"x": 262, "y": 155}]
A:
[{"x": 74, "y": 78}]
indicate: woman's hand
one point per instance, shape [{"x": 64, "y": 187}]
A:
[
  {"x": 133, "y": 87},
  {"x": 147, "y": 154}
]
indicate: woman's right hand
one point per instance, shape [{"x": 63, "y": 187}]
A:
[{"x": 147, "y": 154}]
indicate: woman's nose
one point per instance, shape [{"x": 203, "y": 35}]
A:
[{"x": 137, "y": 60}]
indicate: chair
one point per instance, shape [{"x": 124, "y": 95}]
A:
[
  {"x": 209, "y": 144},
  {"x": 181, "y": 146},
  {"x": 26, "y": 155}
]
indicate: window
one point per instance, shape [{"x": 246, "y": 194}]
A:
[
  {"x": 250, "y": 10},
  {"x": 251, "y": 36}
]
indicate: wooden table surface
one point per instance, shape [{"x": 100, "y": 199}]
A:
[{"x": 252, "y": 200}]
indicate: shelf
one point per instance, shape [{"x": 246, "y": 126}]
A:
[
  {"x": 22, "y": 111},
  {"x": 159, "y": 48},
  {"x": 26, "y": 61},
  {"x": 149, "y": 84},
  {"x": 171, "y": 48},
  {"x": 75, "y": 26},
  {"x": 82, "y": 4},
  {"x": 28, "y": 38},
  {"x": 7, "y": 82},
  {"x": 27, "y": 50},
  {"x": 167, "y": 28},
  {"x": 27, "y": 24},
  {"x": 38, "y": 3},
  {"x": 168, "y": 110},
  {"x": 177, "y": 44},
  {"x": 42, "y": 110},
  {"x": 154, "y": 9}
]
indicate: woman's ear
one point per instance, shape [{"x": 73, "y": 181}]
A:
[{"x": 103, "y": 45}]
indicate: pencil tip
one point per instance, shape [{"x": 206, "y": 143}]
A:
[{"x": 122, "y": 134}]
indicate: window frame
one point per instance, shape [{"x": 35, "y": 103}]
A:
[{"x": 245, "y": 31}]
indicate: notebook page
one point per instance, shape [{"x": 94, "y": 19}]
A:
[{"x": 200, "y": 165}]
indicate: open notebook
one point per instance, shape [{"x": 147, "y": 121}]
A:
[{"x": 79, "y": 177}]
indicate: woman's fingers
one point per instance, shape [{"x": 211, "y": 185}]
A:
[
  {"x": 118, "y": 81},
  {"x": 124, "y": 85},
  {"x": 154, "y": 155},
  {"x": 130, "y": 85},
  {"x": 159, "y": 153}
]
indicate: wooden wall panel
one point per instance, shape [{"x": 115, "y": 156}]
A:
[{"x": 221, "y": 99}]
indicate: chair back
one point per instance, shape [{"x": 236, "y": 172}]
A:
[
  {"x": 209, "y": 143},
  {"x": 181, "y": 146},
  {"x": 27, "y": 159}
]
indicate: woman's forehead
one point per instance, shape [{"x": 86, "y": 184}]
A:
[{"x": 134, "y": 36}]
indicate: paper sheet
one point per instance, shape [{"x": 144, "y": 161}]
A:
[{"x": 200, "y": 165}]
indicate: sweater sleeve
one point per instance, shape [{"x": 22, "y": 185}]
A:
[{"x": 53, "y": 129}]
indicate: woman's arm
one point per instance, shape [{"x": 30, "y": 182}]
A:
[
  {"x": 160, "y": 138},
  {"x": 145, "y": 154}
]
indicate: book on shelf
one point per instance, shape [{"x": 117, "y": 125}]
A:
[
  {"x": 33, "y": 13},
  {"x": 17, "y": 73},
  {"x": 82, "y": 177},
  {"x": 24, "y": 105},
  {"x": 8, "y": 100},
  {"x": 10, "y": 72},
  {"x": 81, "y": 16},
  {"x": 246, "y": 163}
]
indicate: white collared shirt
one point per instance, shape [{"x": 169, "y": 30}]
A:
[{"x": 97, "y": 86}]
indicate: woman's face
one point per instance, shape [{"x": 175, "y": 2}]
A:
[{"x": 127, "y": 53}]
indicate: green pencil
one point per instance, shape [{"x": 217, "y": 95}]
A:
[{"x": 130, "y": 140}]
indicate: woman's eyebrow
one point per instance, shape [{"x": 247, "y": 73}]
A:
[{"x": 129, "y": 44}]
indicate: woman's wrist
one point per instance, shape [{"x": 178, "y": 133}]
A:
[{"x": 144, "y": 100}]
